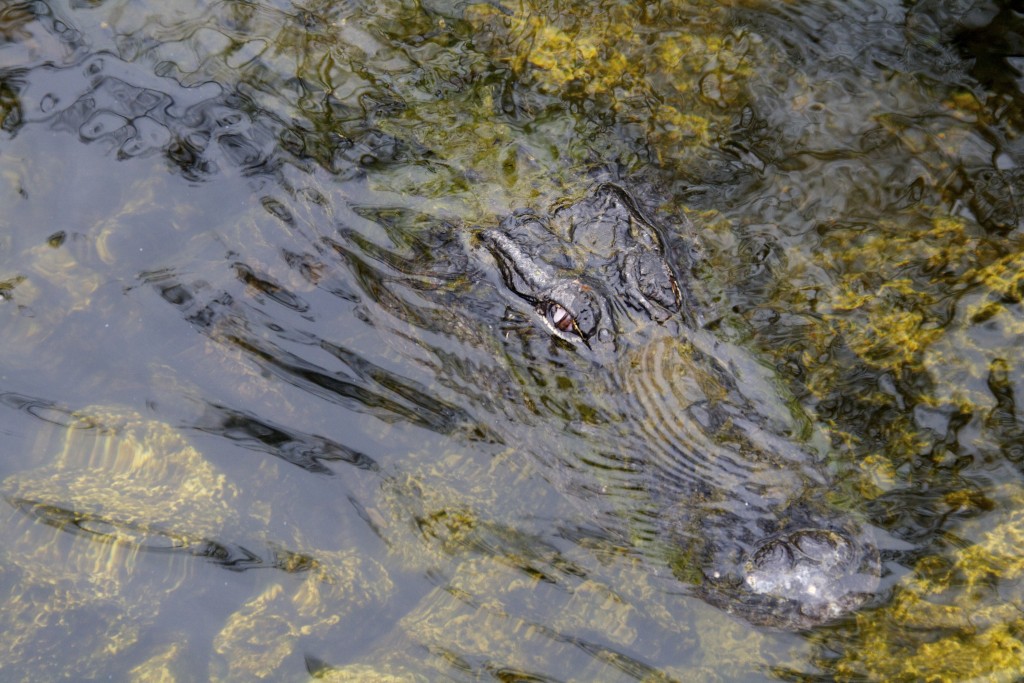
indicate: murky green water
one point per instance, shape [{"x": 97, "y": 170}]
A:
[{"x": 265, "y": 412}]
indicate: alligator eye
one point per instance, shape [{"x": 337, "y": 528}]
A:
[
  {"x": 560, "y": 317},
  {"x": 571, "y": 309}
]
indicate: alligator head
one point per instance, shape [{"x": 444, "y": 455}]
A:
[{"x": 620, "y": 274}]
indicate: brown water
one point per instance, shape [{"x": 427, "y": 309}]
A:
[{"x": 264, "y": 414}]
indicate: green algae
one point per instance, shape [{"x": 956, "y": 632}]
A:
[
  {"x": 622, "y": 64},
  {"x": 956, "y": 616},
  {"x": 892, "y": 282}
]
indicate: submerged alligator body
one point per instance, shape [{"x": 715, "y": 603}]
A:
[{"x": 693, "y": 451}]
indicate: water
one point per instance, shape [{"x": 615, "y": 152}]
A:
[{"x": 267, "y": 413}]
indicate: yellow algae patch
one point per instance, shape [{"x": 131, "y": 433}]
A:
[
  {"x": 362, "y": 673},
  {"x": 1005, "y": 277},
  {"x": 956, "y": 617},
  {"x": 116, "y": 486},
  {"x": 892, "y": 284},
  {"x": 981, "y": 344},
  {"x": 159, "y": 668},
  {"x": 256, "y": 640},
  {"x": 557, "y": 53},
  {"x": 673, "y": 83},
  {"x": 879, "y": 476},
  {"x": 134, "y": 474},
  {"x": 593, "y": 602}
]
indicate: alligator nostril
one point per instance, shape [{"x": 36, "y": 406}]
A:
[
  {"x": 773, "y": 556},
  {"x": 824, "y": 547}
]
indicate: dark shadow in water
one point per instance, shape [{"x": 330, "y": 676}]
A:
[
  {"x": 361, "y": 386},
  {"x": 41, "y": 409},
  {"x": 990, "y": 37},
  {"x": 231, "y": 556},
  {"x": 1002, "y": 419},
  {"x": 309, "y": 452}
]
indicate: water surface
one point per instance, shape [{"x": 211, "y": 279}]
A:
[{"x": 266, "y": 414}]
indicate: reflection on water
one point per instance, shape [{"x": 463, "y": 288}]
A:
[{"x": 269, "y": 410}]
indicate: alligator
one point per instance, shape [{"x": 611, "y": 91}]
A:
[
  {"x": 732, "y": 488},
  {"x": 681, "y": 443}
]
